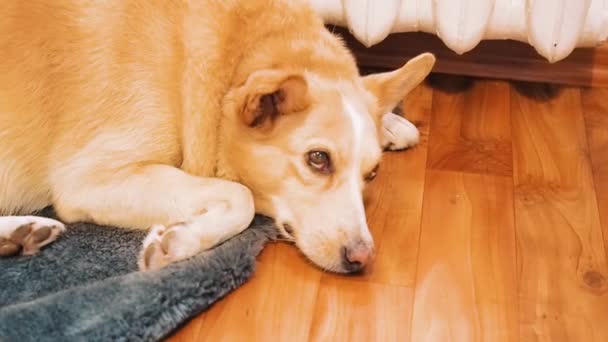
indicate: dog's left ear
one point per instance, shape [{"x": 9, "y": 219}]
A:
[
  {"x": 270, "y": 94},
  {"x": 390, "y": 88}
]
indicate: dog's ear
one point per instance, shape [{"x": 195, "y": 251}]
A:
[
  {"x": 270, "y": 94},
  {"x": 390, "y": 88}
]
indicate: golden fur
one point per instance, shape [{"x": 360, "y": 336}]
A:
[{"x": 128, "y": 113}]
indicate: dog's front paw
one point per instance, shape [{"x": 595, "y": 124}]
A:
[
  {"x": 27, "y": 234},
  {"x": 165, "y": 245},
  {"x": 398, "y": 133}
]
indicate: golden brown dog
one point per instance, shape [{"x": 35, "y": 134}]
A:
[{"x": 188, "y": 117}]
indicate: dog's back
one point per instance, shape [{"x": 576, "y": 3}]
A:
[{"x": 70, "y": 70}]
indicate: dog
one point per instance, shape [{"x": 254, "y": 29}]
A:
[{"x": 186, "y": 118}]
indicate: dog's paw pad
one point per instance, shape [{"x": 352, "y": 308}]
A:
[
  {"x": 28, "y": 238},
  {"x": 398, "y": 133},
  {"x": 159, "y": 248},
  {"x": 8, "y": 247}
]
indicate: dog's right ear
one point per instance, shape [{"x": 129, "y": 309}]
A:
[
  {"x": 268, "y": 94},
  {"x": 390, "y": 88}
]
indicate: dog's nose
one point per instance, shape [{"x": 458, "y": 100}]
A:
[{"x": 356, "y": 256}]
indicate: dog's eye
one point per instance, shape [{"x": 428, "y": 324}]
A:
[
  {"x": 319, "y": 161},
  {"x": 370, "y": 176}
]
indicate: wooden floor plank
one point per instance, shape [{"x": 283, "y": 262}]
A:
[
  {"x": 393, "y": 205},
  {"x": 595, "y": 110},
  {"x": 511, "y": 187},
  {"x": 466, "y": 282},
  {"x": 561, "y": 258},
  {"x": 353, "y": 311},
  {"x": 276, "y": 304},
  {"x": 189, "y": 332},
  {"x": 394, "y": 201},
  {"x": 471, "y": 127}
]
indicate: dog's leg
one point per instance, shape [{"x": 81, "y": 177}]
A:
[
  {"x": 221, "y": 221},
  {"x": 187, "y": 214},
  {"x": 398, "y": 133},
  {"x": 27, "y": 234}
]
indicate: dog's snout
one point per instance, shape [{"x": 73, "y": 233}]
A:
[{"x": 356, "y": 256}]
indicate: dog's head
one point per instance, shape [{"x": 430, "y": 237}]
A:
[{"x": 307, "y": 146}]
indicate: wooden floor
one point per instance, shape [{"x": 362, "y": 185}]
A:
[{"x": 494, "y": 228}]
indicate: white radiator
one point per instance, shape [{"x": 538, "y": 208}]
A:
[{"x": 553, "y": 27}]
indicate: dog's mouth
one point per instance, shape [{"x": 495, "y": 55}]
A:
[
  {"x": 346, "y": 265},
  {"x": 287, "y": 231}
]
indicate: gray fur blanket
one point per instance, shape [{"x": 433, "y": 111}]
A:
[{"x": 85, "y": 286}]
